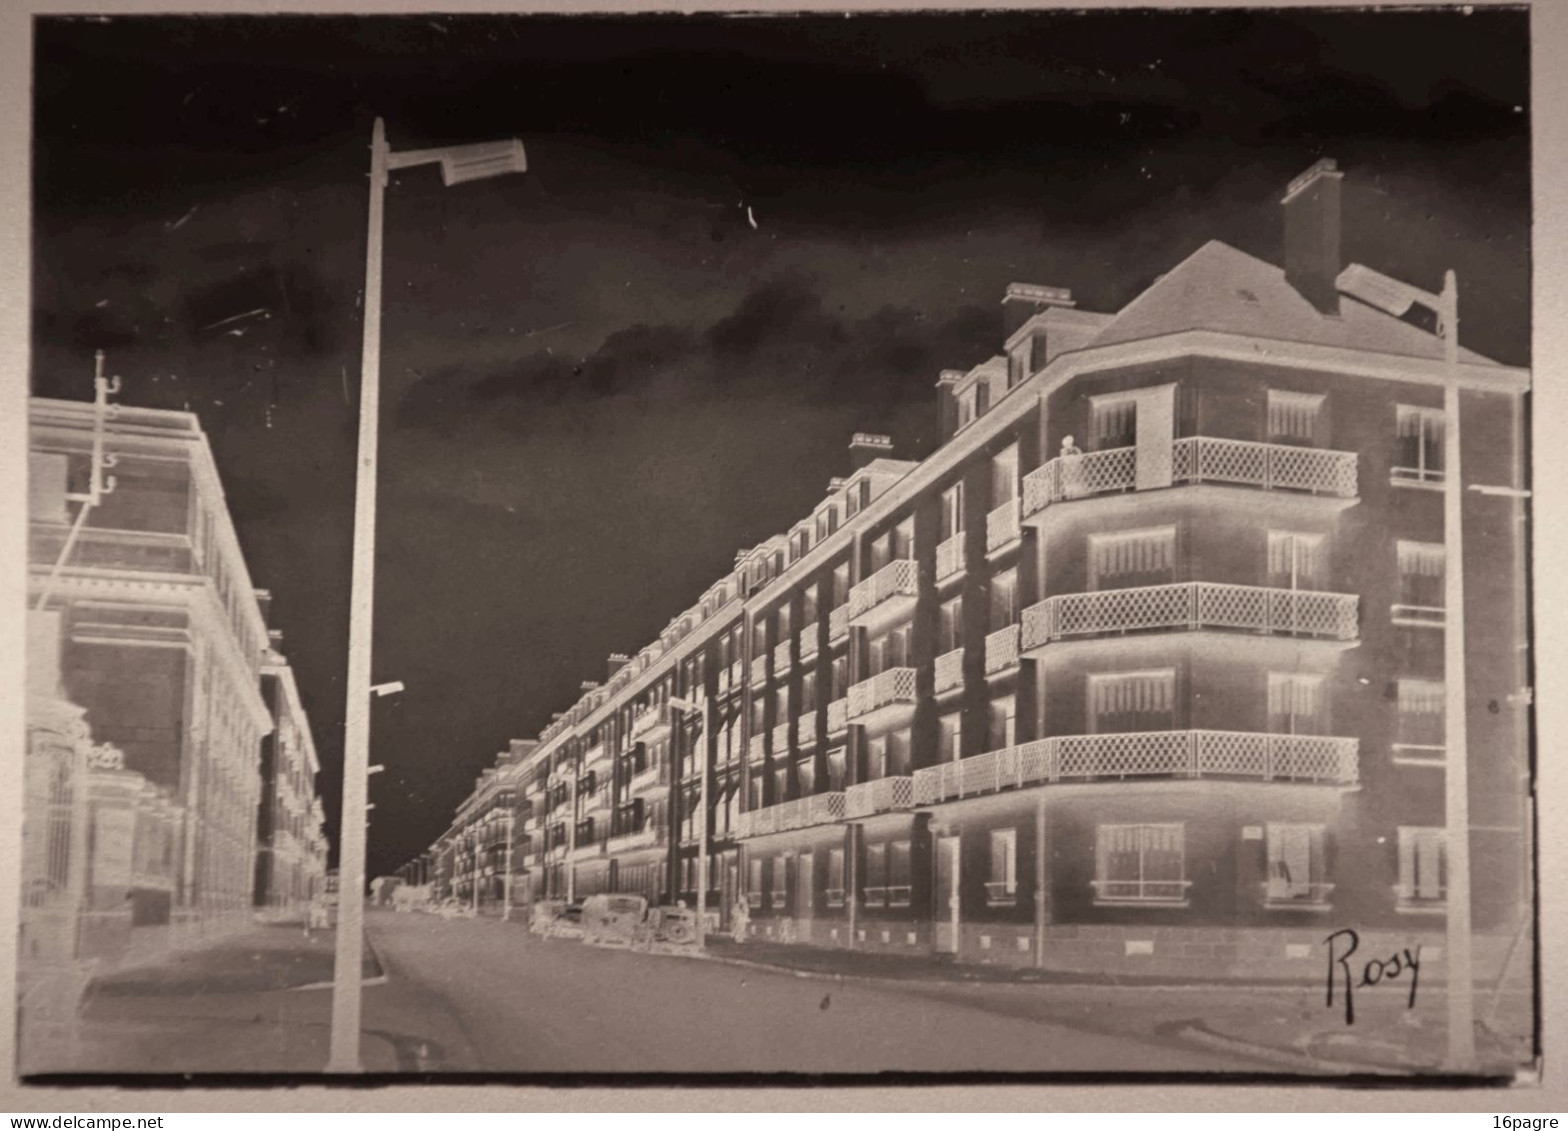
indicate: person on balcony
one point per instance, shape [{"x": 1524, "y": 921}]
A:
[{"x": 1072, "y": 472}]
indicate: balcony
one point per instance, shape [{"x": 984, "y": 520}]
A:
[
  {"x": 950, "y": 558},
  {"x": 1195, "y": 459},
  {"x": 651, "y": 724},
  {"x": 889, "y": 593},
  {"x": 1191, "y": 606},
  {"x": 1002, "y": 526},
  {"x": 645, "y": 779},
  {"x": 806, "y": 730},
  {"x": 597, "y": 754},
  {"x": 949, "y": 671},
  {"x": 1174, "y": 754},
  {"x": 803, "y": 812},
  {"x": 891, "y": 692},
  {"x": 756, "y": 748},
  {"x": 838, "y": 716},
  {"x": 885, "y": 795},
  {"x": 1001, "y": 650},
  {"x": 808, "y": 643},
  {"x": 647, "y": 836},
  {"x": 759, "y": 670},
  {"x": 781, "y": 657},
  {"x": 838, "y": 623},
  {"x": 781, "y": 737},
  {"x": 587, "y": 850}
]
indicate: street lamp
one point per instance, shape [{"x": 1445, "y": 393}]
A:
[
  {"x": 686, "y": 706},
  {"x": 458, "y": 164},
  {"x": 1394, "y": 297}
]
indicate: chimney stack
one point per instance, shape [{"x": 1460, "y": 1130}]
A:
[
  {"x": 618, "y": 660},
  {"x": 1022, "y": 301},
  {"x": 1312, "y": 253},
  {"x": 867, "y": 446}
]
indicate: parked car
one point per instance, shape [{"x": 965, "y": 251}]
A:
[
  {"x": 612, "y": 920},
  {"x": 675, "y": 925},
  {"x": 568, "y": 922}
]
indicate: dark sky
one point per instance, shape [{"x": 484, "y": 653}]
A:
[{"x": 600, "y": 379}]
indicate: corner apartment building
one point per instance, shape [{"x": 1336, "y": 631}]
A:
[
  {"x": 1142, "y": 669},
  {"x": 157, "y": 631}
]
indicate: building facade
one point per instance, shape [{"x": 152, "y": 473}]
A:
[
  {"x": 291, "y": 850},
  {"x": 1142, "y": 669}
]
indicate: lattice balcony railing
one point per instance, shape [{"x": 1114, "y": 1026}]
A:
[
  {"x": 884, "y": 795},
  {"x": 1171, "y": 754},
  {"x": 1001, "y": 650},
  {"x": 838, "y": 716},
  {"x": 803, "y": 812},
  {"x": 896, "y": 685},
  {"x": 781, "y": 657},
  {"x": 1002, "y": 527},
  {"x": 1196, "y": 459},
  {"x": 950, "y": 557},
  {"x": 838, "y": 622},
  {"x": 1192, "y": 605},
  {"x": 808, "y": 643},
  {"x": 896, "y": 579},
  {"x": 949, "y": 670}
]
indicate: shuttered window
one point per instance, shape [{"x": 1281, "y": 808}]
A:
[
  {"x": 1293, "y": 418},
  {"x": 1296, "y": 560},
  {"x": 1140, "y": 863},
  {"x": 1296, "y": 703},
  {"x": 1113, "y": 423},
  {"x": 1421, "y": 568},
  {"x": 1132, "y": 557},
  {"x": 1421, "y": 733},
  {"x": 1132, "y": 701},
  {"x": 1419, "y": 445},
  {"x": 1296, "y": 864},
  {"x": 1422, "y": 865}
]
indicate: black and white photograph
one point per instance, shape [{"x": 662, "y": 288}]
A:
[{"x": 786, "y": 546}]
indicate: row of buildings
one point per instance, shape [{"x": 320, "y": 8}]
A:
[
  {"x": 170, "y": 768},
  {"x": 1141, "y": 669}
]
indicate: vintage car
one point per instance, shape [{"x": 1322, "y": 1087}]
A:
[
  {"x": 673, "y": 925},
  {"x": 612, "y": 920}
]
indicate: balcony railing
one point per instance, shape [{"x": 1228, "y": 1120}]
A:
[
  {"x": 894, "y": 686},
  {"x": 1001, "y": 650},
  {"x": 884, "y": 795},
  {"x": 781, "y": 657},
  {"x": 1196, "y": 459},
  {"x": 808, "y": 643},
  {"x": 645, "y": 778},
  {"x": 759, "y": 670},
  {"x": 1192, "y": 605},
  {"x": 896, "y": 579},
  {"x": 803, "y": 812},
  {"x": 838, "y": 623},
  {"x": 647, "y": 835},
  {"x": 1285, "y": 893},
  {"x": 650, "y": 721},
  {"x": 1418, "y": 616},
  {"x": 596, "y": 755},
  {"x": 838, "y": 716},
  {"x": 1147, "y": 754},
  {"x": 950, "y": 557},
  {"x": 806, "y": 729},
  {"x": 949, "y": 670},
  {"x": 1002, "y": 526},
  {"x": 781, "y": 737}
]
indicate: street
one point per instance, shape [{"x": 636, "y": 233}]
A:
[{"x": 486, "y": 996}]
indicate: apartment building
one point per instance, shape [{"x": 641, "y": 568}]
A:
[
  {"x": 291, "y": 860},
  {"x": 1142, "y": 669}
]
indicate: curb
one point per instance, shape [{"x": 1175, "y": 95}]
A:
[{"x": 378, "y": 979}]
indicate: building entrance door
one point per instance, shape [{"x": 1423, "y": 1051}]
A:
[{"x": 947, "y": 904}]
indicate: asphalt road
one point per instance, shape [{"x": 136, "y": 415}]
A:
[{"x": 492, "y": 998}]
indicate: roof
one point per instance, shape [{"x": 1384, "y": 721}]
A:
[{"x": 1222, "y": 289}]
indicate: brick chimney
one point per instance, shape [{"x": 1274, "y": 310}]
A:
[
  {"x": 1022, "y": 301},
  {"x": 1312, "y": 253},
  {"x": 617, "y": 661},
  {"x": 867, "y": 446}
]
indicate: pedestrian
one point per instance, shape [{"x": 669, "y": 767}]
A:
[{"x": 741, "y": 919}]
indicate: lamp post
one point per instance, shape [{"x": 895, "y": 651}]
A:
[
  {"x": 458, "y": 164},
  {"x": 1396, "y": 298},
  {"x": 686, "y": 706}
]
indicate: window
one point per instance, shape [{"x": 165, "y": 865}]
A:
[
  {"x": 838, "y": 678},
  {"x": 950, "y": 626},
  {"x": 1294, "y": 418},
  {"x": 759, "y": 638},
  {"x": 1296, "y": 560},
  {"x": 1004, "y": 599},
  {"x": 1018, "y": 364},
  {"x": 806, "y": 775},
  {"x": 968, "y": 406},
  {"x": 808, "y": 693},
  {"x": 1132, "y": 557},
  {"x": 836, "y": 767},
  {"x": 876, "y": 756},
  {"x": 1140, "y": 864},
  {"x": 1296, "y": 867},
  {"x": 1296, "y": 704},
  {"x": 1421, "y": 734},
  {"x": 902, "y": 543},
  {"x": 952, "y": 511},
  {"x": 780, "y": 885},
  {"x": 840, "y": 584},
  {"x": 835, "y": 888},
  {"x": 783, "y": 624},
  {"x": 780, "y": 783},
  {"x": 898, "y": 887},
  {"x": 1001, "y": 890},
  {"x": 1128, "y": 702},
  {"x": 754, "y": 786},
  {"x": 1002, "y": 722},
  {"x": 881, "y": 553},
  {"x": 1004, "y": 476},
  {"x": 1113, "y": 422},
  {"x": 876, "y": 875},
  {"x": 952, "y": 739},
  {"x": 1418, "y": 454},
  {"x": 1423, "y": 867},
  {"x": 780, "y": 706},
  {"x": 808, "y": 606},
  {"x": 758, "y": 707},
  {"x": 1421, "y": 583},
  {"x": 890, "y": 650},
  {"x": 897, "y": 764},
  {"x": 754, "y": 882}
]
